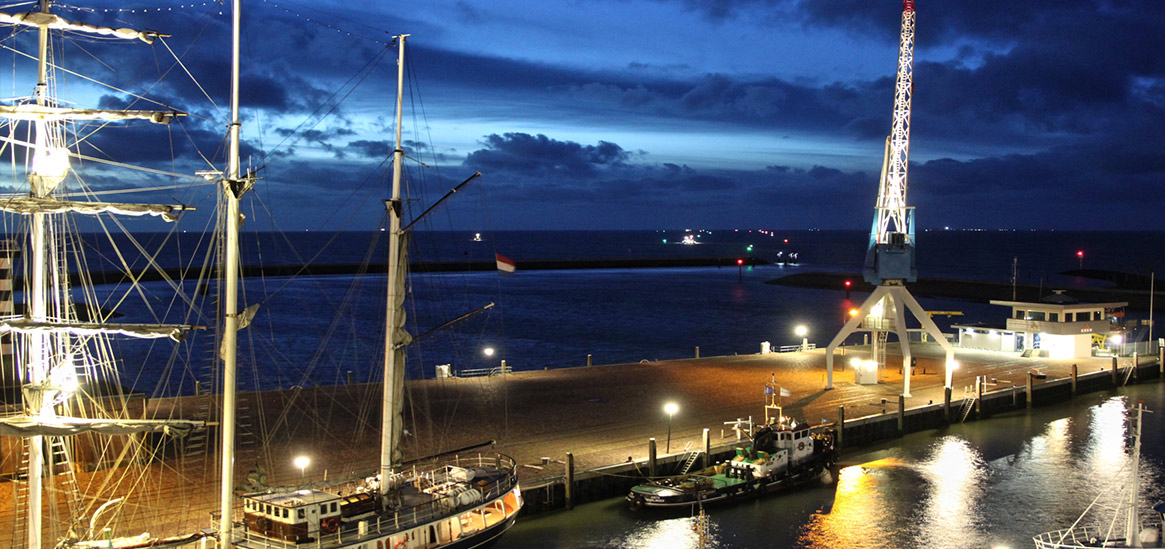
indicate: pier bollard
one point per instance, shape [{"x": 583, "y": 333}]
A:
[
  {"x": 1030, "y": 380},
  {"x": 947, "y": 404},
  {"x": 569, "y": 481},
  {"x": 1115, "y": 374},
  {"x": 651, "y": 457},
  {"x": 697, "y": 351},
  {"x": 707, "y": 448},
  {"x": 901, "y": 415},
  {"x": 1074, "y": 373},
  {"x": 588, "y": 360},
  {"x": 840, "y": 425}
]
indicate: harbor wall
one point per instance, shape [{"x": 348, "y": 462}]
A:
[{"x": 616, "y": 480}]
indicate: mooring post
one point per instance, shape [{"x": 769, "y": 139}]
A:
[
  {"x": 651, "y": 457},
  {"x": 979, "y": 397},
  {"x": 1115, "y": 374},
  {"x": 947, "y": 404},
  {"x": 1136, "y": 364},
  {"x": 1161, "y": 360},
  {"x": 1074, "y": 374},
  {"x": 697, "y": 351},
  {"x": 569, "y": 481},
  {"x": 1030, "y": 381},
  {"x": 901, "y": 415},
  {"x": 707, "y": 448},
  {"x": 588, "y": 360},
  {"x": 350, "y": 377},
  {"x": 840, "y": 425}
]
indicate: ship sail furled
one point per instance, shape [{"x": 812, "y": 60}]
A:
[
  {"x": 57, "y": 356},
  {"x": 53, "y": 21}
]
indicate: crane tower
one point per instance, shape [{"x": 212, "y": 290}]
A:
[{"x": 890, "y": 256}]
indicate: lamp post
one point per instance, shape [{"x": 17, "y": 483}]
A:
[
  {"x": 670, "y": 408},
  {"x": 301, "y": 462},
  {"x": 803, "y": 332}
]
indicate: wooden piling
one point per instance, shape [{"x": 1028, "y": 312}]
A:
[
  {"x": 588, "y": 360},
  {"x": 1115, "y": 373},
  {"x": 651, "y": 457},
  {"x": 1074, "y": 375},
  {"x": 707, "y": 440},
  {"x": 901, "y": 415},
  {"x": 1030, "y": 380},
  {"x": 1136, "y": 363},
  {"x": 569, "y": 481},
  {"x": 947, "y": 404},
  {"x": 697, "y": 351},
  {"x": 979, "y": 397},
  {"x": 840, "y": 426}
]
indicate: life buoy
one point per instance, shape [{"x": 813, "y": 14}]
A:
[
  {"x": 330, "y": 524},
  {"x": 801, "y": 445},
  {"x": 403, "y": 544}
]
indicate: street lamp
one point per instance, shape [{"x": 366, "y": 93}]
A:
[
  {"x": 301, "y": 462},
  {"x": 488, "y": 351},
  {"x": 802, "y": 332},
  {"x": 670, "y": 408}
]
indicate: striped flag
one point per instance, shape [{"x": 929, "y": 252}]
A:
[
  {"x": 785, "y": 392},
  {"x": 505, "y": 264}
]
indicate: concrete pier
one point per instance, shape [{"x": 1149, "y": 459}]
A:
[{"x": 601, "y": 418}]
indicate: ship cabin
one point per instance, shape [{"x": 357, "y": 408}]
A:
[
  {"x": 796, "y": 439},
  {"x": 296, "y": 516}
]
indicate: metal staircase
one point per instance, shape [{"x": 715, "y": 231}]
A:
[{"x": 969, "y": 398}]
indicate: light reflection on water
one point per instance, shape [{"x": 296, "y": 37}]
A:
[{"x": 987, "y": 484}]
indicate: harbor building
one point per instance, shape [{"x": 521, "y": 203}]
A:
[{"x": 1057, "y": 326}]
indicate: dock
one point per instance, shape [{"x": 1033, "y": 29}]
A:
[{"x": 601, "y": 419}]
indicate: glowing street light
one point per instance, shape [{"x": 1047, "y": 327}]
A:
[
  {"x": 301, "y": 462},
  {"x": 802, "y": 332},
  {"x": 670, "y": 409},
  {"x": 488, "y": 351}
]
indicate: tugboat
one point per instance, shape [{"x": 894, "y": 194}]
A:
[{"x": 782, "y": 454}]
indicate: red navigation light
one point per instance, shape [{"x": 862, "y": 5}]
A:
[
  {"x": 847, "y": 284},
  {"x": 1080, "y": 253},
  {"x": 740, "y": 262}
]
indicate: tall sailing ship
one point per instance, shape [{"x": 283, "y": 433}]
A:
[
  {"x": 460, "y": 499},
  {"x": 63, "y": 401}
]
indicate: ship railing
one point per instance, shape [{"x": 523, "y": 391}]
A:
[
  {"x": 485, "y": 372},
  {"x": 796, "y": 348},
  {"x": 1080, "y": 537},
  {"x": 443, "y": 505}
]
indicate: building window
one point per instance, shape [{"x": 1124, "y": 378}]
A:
[
  {"x": 1053, "y": 317},
  {"x": 1019, "y": 314},
  {"x": 1036, "y": 315}
]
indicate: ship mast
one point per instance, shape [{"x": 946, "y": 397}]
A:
[
  {"x": 37, "y": 305},
  {"x": 395, "y": 338},
  {"x": 233, "y": 189}
]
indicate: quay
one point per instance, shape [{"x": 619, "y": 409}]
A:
[{"x": 601, "y": 419}]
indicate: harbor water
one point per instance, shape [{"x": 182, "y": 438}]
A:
[{"x": 988, "y": 484}]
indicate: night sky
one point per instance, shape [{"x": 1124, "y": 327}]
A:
[{"x": 646, "y": 114}]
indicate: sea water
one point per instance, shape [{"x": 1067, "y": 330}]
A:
[{"x": 323, "y": 330}]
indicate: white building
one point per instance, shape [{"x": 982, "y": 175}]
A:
[{"x": 1057, "y": 326}]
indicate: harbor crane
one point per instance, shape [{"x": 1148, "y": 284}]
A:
[{"x": 890, "y": 257}]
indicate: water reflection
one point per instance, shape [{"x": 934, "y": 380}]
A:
[
  {"x": 680, "y": 533},
  {"x": 949, "y": 513},
  {"x": 860, "y": 513}
]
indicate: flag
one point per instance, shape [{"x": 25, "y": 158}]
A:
[
  {"x": 505, "y": 264},
  {"x": 785, "y": 392}
]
